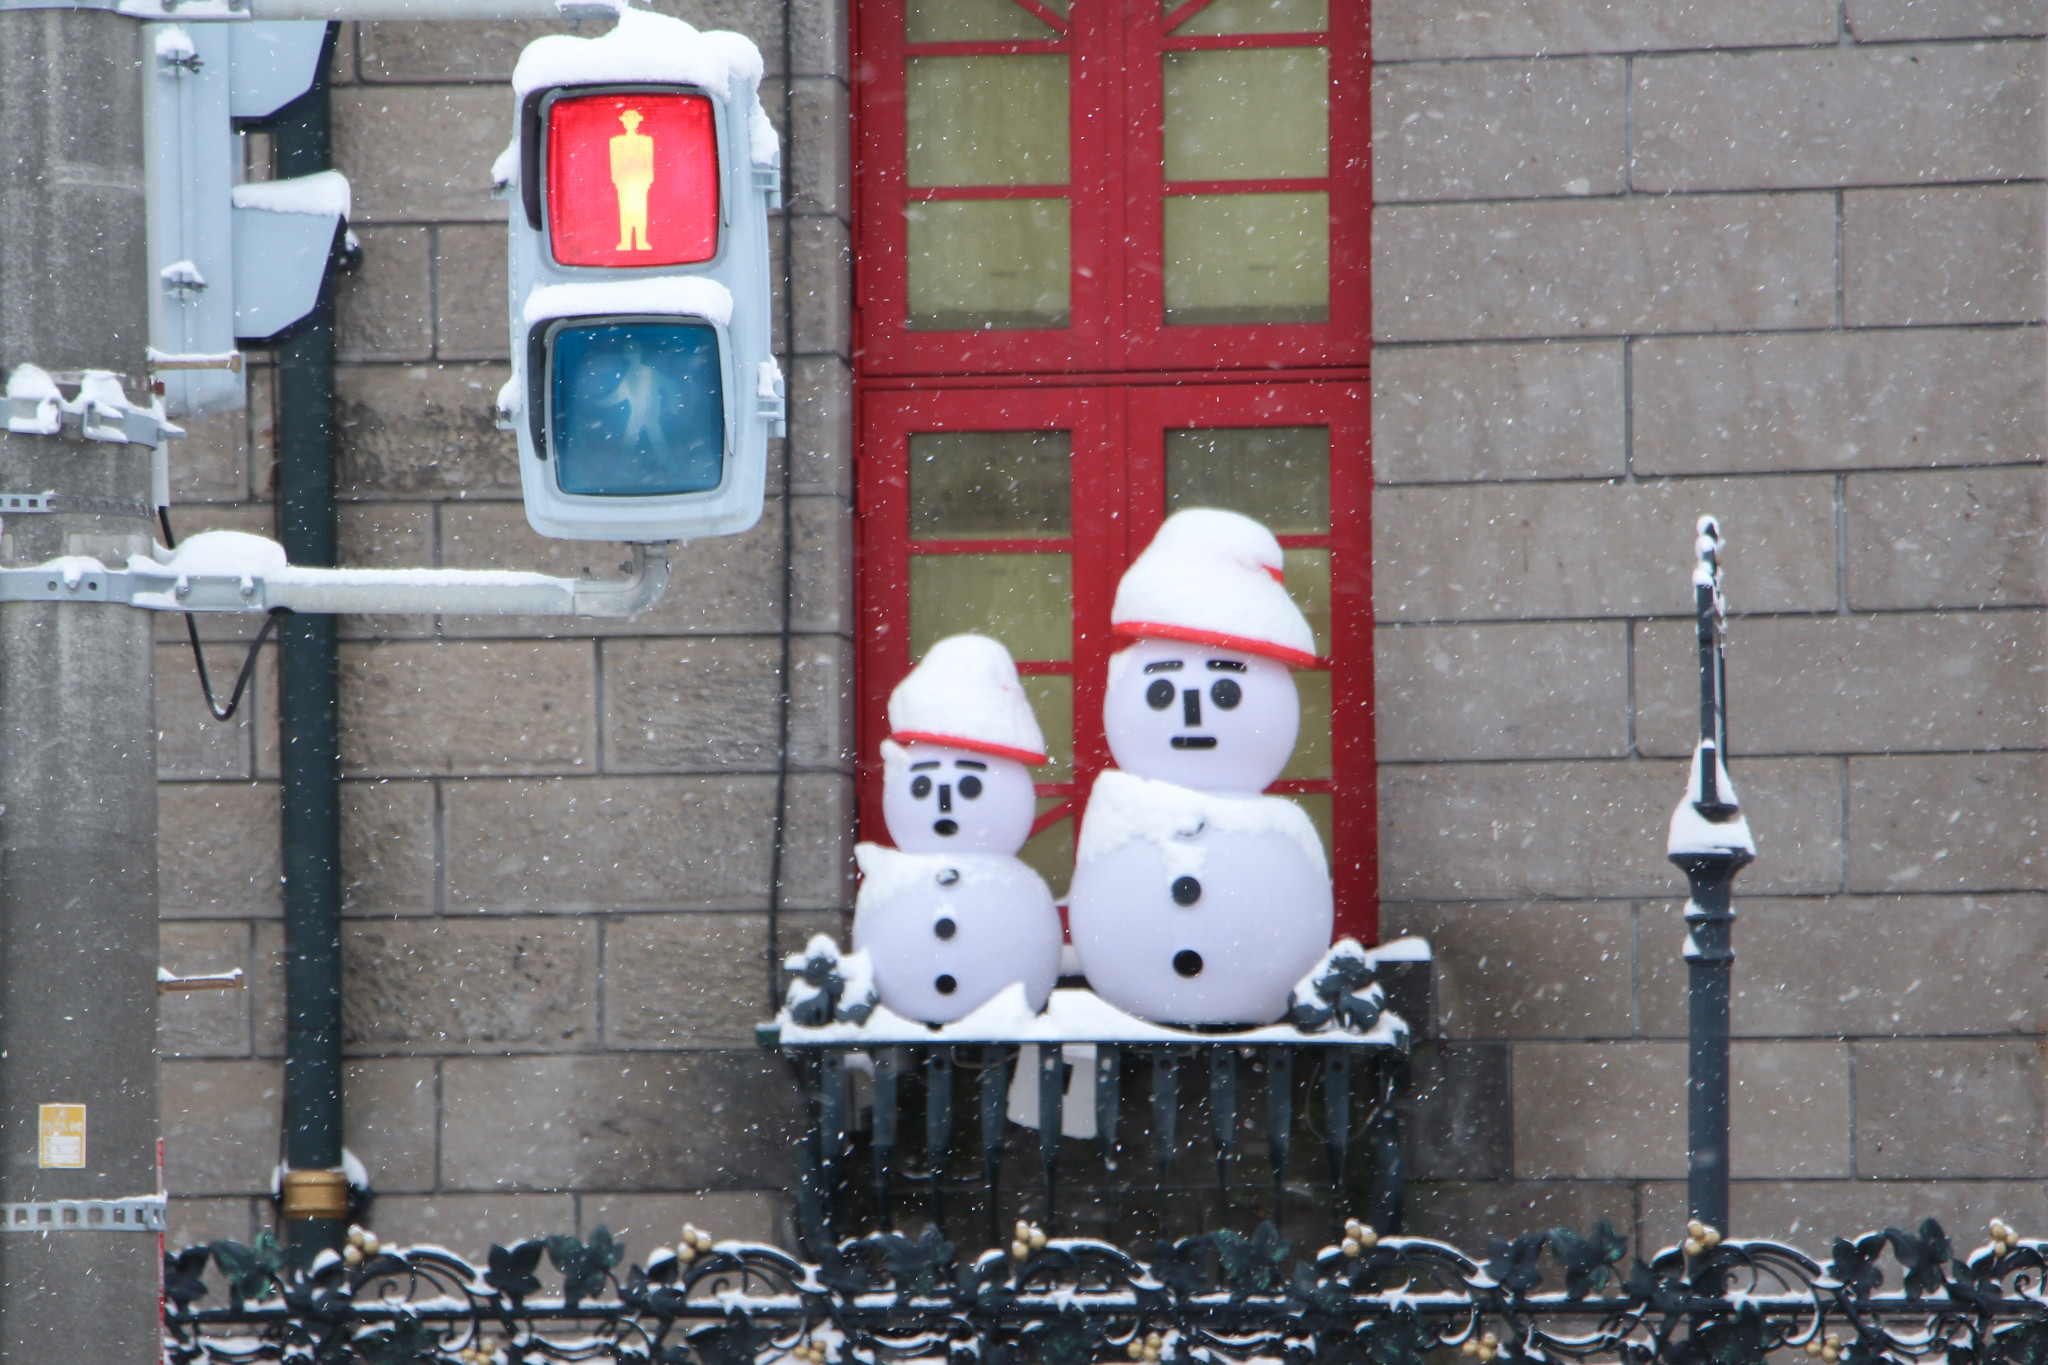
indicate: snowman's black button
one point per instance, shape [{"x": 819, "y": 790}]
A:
[
  {"x": 1188, "y": 962},
  {"x": 1186, "y": 890},
  {"x": 945, "y": 985},
  {"x": 948, "y": 875},
  {"x": 945, "y": 928}
]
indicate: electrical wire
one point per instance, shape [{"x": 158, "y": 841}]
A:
[{"x": 219, "y": 712}]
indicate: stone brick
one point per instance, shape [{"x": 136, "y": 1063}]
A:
[
  {"x": 1881, "y": 966},
  {"x": 1603, "y": 268},
  {"x": 693, "y": 705},
  {"x": 217, "y": 849},
  {"x": 821, "y": 566},
  {"x": 470, "y": 985},
  {"x": 1920, "y": 257},
  {"x": 817, "y": 844},
  {"x": 1618, "y": 1109},
  {"x": 1853, "y": 684},
  {"x": 1501, "y": 691},
  {"x": 212, "y": 463},
  {"x": 1443, "y": 414},
  {"x": 454, "y": 52},
  {"x": 1950, "y": 1108},
  {"x": 203, "y": 1023},
  {"x": 391, "y": 1111},
  {"x": 385, "y": 535},
  {"x": 652, "y": 843},
  {"x": 190, "y": 743},
  {"x": 220, "y": 1125},
  {"x": 415, "y": 709},
  {"x": 1499, "y": 130},
  {"x": 817, "y": 38},
  {"x": 726, "y": 585},
  {"x": 821, "y": 726},
  {"x": 1528, "y": 970},
  {"x": 267, "y": 988},
  {"x": 196, "y": 1221},
  {"x": 1596, "y": 549},
  {"x": 818, "y": 147},
  {"x": 1422, "y": 28},
  {"x": 1810, "y": 1214},
  {"x": 470, "y": 1224},
  {"x": 1454, "y": 1112},
  {"x": 422, "y": 431},
  {"x": 1459, "y": 831},
  {"x": 439, "y": 169},
  {"x": 1967, "y": 538},
  {"x": 1947, "y": 822},
  {"x": 821, "y": 425},
  {"x": 821, "y": 285},
  {"x": 388, "y": 862},
  {"x": 681, "y": 982},
  {"x": 1872, "y": 21},
  {"x": 469, "y": 293},
  {"x": 699, "y": 1120},
  {"x": 385, "y": 310},
  {"x": 1837, "y": 116},
  {"x": 646, "y": 1220},
  {"x": 1470, "y": 1214}
]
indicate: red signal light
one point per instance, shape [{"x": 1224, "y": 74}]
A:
[{"x": 633, "y": 180}]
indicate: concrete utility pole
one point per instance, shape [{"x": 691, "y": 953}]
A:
[{"x": 78, "y": 870}]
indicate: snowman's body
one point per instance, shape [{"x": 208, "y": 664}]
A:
[
  {"x": 947, "y": 932},
  {"x": 1193, "y": 907}
]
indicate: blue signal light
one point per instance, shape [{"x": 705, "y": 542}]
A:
[{"x": 637, "y": 408}]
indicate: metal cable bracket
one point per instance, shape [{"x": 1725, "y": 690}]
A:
[{"x": 143, "y": 1214}]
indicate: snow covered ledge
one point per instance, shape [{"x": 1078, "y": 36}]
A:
[{"x": 236, "y": 571}]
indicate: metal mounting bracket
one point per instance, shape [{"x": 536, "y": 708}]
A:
[{"x": 144, "y": 1214}]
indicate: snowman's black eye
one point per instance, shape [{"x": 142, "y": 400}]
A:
[
  {"x": 970, "y": 786},
  {"x": 1159, "y": 695},
  {"x": 920, "y": 787},
  {"x": 1226, "y": 694}
]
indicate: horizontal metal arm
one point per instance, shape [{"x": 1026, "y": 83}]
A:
[{"x": 473, "y": 592}]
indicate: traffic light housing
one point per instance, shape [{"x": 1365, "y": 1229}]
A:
[{"x": 644, "y": 389}]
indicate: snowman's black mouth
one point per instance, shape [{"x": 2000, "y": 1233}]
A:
[
  {"x": 947, "y": 827},
  {"x": 1194, "y": 741}
]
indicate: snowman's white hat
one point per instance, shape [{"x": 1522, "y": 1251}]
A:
[
  {"x": 1213, "y": 578},
  {"x": 965, "y": 694}
]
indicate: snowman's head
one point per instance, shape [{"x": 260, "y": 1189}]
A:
[
  {"x": 939, "y": 799},
  {"x": 1203, "y": 716}
]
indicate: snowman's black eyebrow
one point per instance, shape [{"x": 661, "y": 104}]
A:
[
  {"x": 928, "y": 763},
  {"x": 1167, "y": 666},
  {"x": 1227, "y": 665},
  {"x": 969, "y": 763}
]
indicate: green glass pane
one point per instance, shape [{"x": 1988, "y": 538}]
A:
[
  {"x": 986, "y": 120},
  {"x": 965, "y": 485},
  {"x": 1051, "y": 852},
  {"x": 967, "y": 21},
  {"x": 1317, "y": 804},
  {"x": 1052, "y": 701},
  {"x": 1247, "y": 114},
  {"x": 1312, "y": 749},
  {"x": 981, "y": 264},
  {"x": 1244, "y": 258},
  {"x": 1308, "y": 583},
  {"x": 1025, "y": 601},
  {"x": 1276, "y": 475},
  {"x": 1254, "y": 16}
]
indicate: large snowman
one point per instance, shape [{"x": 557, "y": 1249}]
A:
[
  {"x": 1196, "y": 899},
  {"x": 949, "y": 917}
]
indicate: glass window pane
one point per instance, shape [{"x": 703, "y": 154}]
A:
[
  {"x": 1051, "y": 853},
  {"x": 1308, "y": 583},
  {"x": 1312, "y": 749},
  {"x": 986, "y": 120},
  {"x": 1247, "y": 114},
  {"x": 1276, "y": 475},
  {"x": 1254, "y": 16},
  {"x": 987, "y": 263},
  {"x": 636, "y": 409},
  {"x": 1242, "y": 258},
  {"x": 1052, "y": 701},
  {"x": 965, "y": 485},
  {"x": 966, "y": 21},
  {"x": 1026, "y": 601},
  {"x": 1317, "y": 804}
]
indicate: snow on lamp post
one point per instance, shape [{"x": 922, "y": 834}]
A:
[{"x": 1710, "y": 842}]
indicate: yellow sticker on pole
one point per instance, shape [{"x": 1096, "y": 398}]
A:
[{"x": 60, "y": 1136}]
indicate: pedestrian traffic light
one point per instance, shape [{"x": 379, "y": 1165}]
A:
[{"x": 643, "y": 388}]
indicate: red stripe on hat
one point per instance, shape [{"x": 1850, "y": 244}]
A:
[
  {"x": 1153, "y": 630},
  {"x": 979, "y": 746}
]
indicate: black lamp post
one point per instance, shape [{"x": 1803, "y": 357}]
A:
[{"x": 1710, "y": 842}]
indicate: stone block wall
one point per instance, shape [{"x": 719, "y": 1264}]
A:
[
  {"x": 1781, "y": 262},
  {"x": 559, "y": 836}
]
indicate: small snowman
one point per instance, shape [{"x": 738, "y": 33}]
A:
[
  {"x": 1196, "y": 899},
  {"x": 950, "y": 917}
]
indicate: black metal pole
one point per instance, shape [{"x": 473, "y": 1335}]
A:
[
  {"x": 316, "y": 1203},
  {"x": 1710, "y": 843}
]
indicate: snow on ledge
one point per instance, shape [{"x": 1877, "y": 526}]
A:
[
  {"x": 687, "y": 295},
  {"x": 324, "y": 194},
  {"x": 643, "y": 46}
]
